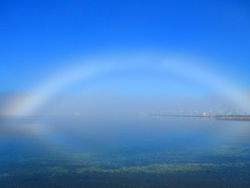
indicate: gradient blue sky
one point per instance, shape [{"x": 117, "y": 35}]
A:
[{"x": 38, "y": 38}]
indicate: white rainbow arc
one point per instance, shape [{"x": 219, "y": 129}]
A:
[
  {"x": 27, "y": 105},
  {"x": 219, "y": 84},
  {"x": 181, "y": 66}
]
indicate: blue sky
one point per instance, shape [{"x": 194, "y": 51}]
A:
[{"x": 40, "y": 38}]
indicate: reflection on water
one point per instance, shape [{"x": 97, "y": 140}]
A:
[{"x": 123, "y": 152}]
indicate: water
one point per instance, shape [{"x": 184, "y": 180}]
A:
[{"x": 123, "y": 152}]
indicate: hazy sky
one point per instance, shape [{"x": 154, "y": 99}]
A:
[{"x": 127, "y": 48}]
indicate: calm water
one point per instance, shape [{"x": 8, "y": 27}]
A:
[{"x": 123, "y": 152}]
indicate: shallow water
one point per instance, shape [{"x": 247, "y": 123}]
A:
[{"x": 123, "y": 152}]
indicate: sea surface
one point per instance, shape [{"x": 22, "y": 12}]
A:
[{"x": 123, "y": 152}]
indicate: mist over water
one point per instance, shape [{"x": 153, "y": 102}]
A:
[
  {"x": 103, "y": 125},
  {"x": 87, "y": 89},
  {"x": 76, "y": 151}
]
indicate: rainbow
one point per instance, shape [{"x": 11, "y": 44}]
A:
[{"x": 83, "y": 70}]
